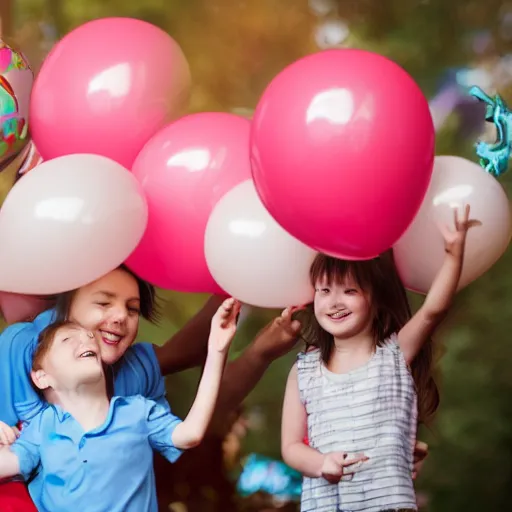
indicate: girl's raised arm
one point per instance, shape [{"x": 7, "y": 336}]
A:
[{"x": 439, "y": 299}]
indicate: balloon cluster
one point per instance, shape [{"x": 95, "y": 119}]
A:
[{"x": 341, "y": 162}]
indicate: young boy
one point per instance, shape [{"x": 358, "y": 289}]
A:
[{"x": 96, "y": 453}]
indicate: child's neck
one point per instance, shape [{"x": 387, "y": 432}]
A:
[
  {"x": 87, "y": 403},
  {"x": 351, "y": 353}
]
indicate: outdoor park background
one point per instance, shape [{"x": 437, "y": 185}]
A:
[{"x": 234, "y": 48}]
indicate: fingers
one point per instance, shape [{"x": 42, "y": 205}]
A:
[
  {"x": 289, "y": 311},
  {"x": 472, "y": 223},
  {"x": 456, "y": 218},
  {"x": 7, "y": 436},
  {"x": 458, "y": 221},
  {"x": 339, "y": 457},
  {"x": 228, "y": 311},
  {"x": 347, "y": 463},
  {"x": 227, "y": 305},
  {"x": 11, "y": 435},
  {"x": 420, "y": 451},
  {"x": 296, "y": 326},
  {"x": 286, "y": 322},
  {"x": 465, "y": 223}
]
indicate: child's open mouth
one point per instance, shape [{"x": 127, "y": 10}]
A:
[{"x": 339, "y": 315}]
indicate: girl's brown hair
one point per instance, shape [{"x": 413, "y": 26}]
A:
[
  {"x": 149, "y": 308},
  {"x": 391, "y": 311}
]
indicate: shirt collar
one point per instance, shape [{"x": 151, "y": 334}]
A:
[{"x": 116, "y": 401}]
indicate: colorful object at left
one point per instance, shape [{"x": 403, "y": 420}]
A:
[{"x": 16, "y": 79}]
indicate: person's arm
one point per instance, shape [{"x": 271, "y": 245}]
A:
[
  {"x": 439, "y": 299},
  {"x": 296, "y": 453},
  {"x": 191, "y": 431},
  {"x": 188, "y": 347},
  {"x": 241, "y": 376},
  {"x": 23, "y": 456},
  {"x": 20, "y": 401},
  {"x": 9, "y": 463}
]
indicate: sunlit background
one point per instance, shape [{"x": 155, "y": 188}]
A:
[{"x": 234, "y": 48}]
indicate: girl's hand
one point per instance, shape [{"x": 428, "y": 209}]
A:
[
  {"x": 420, "y": 454},
  {"x": 333, "y": 468},
  {"x": 224, "y": 326},
  {"x": 455, "y": 239},
  {"x": 8, "y": 434}
]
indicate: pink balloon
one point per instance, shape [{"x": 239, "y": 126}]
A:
[
  {"x": 107, "y": 88},
  {"x": 342, "y": 148},
  {"x": 184, "y": 170}
]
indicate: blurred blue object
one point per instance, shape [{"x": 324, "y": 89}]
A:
[{"x": 261, "y": 474}]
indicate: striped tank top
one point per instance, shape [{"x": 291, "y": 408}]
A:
[{"x": 371, "y": 410}]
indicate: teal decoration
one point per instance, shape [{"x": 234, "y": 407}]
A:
[
  {"x": 494, "y": 158},
  {"x": 261, "y": 474}
]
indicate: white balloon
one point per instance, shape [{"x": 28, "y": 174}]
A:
[
  {"x": 253, "y": 258},
  {"x": 455, "y": 182},
  {"x": 68, "y": 222}
]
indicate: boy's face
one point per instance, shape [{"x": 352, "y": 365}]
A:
[{"x": 72, "y": 360}]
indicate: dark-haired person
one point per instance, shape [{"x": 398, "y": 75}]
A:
[
  {"x": 95, "y": 451},
  {"x": 112, "y": 307}
]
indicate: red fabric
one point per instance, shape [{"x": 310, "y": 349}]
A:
[
  {"x": 306, "y": 440},
  {"x": 14, "y": 497}
]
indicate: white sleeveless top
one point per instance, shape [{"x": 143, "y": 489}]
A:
[{"x": 371, "y": 410}]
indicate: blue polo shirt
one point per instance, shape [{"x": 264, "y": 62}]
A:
[
  {"x": 137, "y": 373},
  {"x": 108, "y": 469}
]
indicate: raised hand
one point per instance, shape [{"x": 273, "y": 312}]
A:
[
  {"x": 280, "y": 336},
  {"x": 223, "y": 327},
  {"x": 455, "y": 238}
]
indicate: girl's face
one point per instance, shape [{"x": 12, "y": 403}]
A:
[
  {"x": 109, "y": 307},
  {"x": 342, "y": 310}
]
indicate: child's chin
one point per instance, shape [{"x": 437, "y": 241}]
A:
[{"x": 93, "y": 376}]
